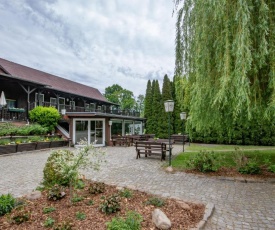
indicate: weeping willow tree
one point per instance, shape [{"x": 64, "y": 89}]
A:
[{"x": 225, "y": 49}]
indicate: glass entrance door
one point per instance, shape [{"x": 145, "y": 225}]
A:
[
  {"x": 90, "y": 130},
  {"x": 96, "y": 132}
]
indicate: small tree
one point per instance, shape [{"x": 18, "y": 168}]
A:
[
  {"x": 68, "y": 167},
  {"x": 46, "y": 116}
]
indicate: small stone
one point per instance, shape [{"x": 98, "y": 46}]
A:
[
  {"x": 33, "y": 195},
  {"x": 169, "y": 169},
  {"x": 184, "y": 205},
  {"x": 160, "y": 219}
]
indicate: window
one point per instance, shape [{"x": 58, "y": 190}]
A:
[
  {"x": 11, "y": 103},
  {"x": 99, "y": 108},
  {"x": 39, "y": 99},
  {"x": 92, "y": 107},
  {"x": 53, "y": 101},
  {"x": 72, "y": 105},
  {"x": 61, "y": 101},
  {"x": 104, "y": 108},
  {"x": 87, "y": 107}
]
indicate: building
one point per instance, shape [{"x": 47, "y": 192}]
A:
[{"x": 86, "y": 112}]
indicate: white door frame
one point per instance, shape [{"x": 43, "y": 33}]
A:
[{"x": 89, "y": 129}]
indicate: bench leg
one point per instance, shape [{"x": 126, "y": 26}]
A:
[{"x": 138, "y": 155}]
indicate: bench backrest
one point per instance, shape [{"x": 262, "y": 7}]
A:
[{"x": 150, "y": 144}]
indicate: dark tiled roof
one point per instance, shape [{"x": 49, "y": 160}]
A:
[{"x": 56, "y": 83}]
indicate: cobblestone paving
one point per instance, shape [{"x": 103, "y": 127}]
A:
[{"x": 237, "y": 205}]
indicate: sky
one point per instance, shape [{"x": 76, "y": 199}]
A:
[{"x": 94, "y": 42}]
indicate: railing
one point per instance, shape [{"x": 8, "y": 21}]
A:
[
  {"x": 13, "y": 114},
  {"x": 70, "y": 108}
]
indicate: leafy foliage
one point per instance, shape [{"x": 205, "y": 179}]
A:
[
  {"x": 131, "y": 222},
  {"x": 63, "y": 166},
  {"x": 156, "y": 201},
  {"x": 123, "y": 97},
  {"x": 56, "y": 192},
  {"x": 7, "y": 203},
  {"x": 126, "y": 193},
  {"x": 204, "y": 162},
  {"x": 49, "y": 222},
  {"x": 97, "y": 188},
  {"x": 46, "y": 116},
  {"x": 52, "y": 171},
  {"x": 251, "y": 167},
  {"x": 48, "y": 209},
  {"x": 20, "y": 215},
  {"x": 80, "y": 216},
  {"x": 110, "y": 204},
  {"x": 65, "y": 225},
  {"x": 229, "y": 68},
  {"x": 32, "y": 129}
]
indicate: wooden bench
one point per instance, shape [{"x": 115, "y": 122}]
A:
[
  {"x": 178, "y": 138},
  {"x": 151, "y": 148}
]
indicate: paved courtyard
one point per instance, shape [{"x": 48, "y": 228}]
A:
[{"x": 237, "y": 205}]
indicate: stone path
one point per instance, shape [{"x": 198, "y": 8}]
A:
[{"x": 237, "y": 205}]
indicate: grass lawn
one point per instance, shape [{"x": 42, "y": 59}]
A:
[{"x": 227, "y": 154}]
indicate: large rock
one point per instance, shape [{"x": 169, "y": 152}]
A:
[
  {"x": 33, "y": 195},
  {"x": 160, "y": 219}
]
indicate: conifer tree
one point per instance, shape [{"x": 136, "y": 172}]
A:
[
  {"x": 156, "y": 109},
  {"x": 148, "y": 107},
  {"x": 163, "y": 118}
]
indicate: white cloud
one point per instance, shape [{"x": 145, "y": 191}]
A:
[{"x": 97, "y": 42}]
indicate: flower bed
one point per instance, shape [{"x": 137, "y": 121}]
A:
[
  {"x": 5, "y": 149},
  {"x": 21, "y": 144}
]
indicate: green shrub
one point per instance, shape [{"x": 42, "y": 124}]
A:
[
  {"x": 51, "y": 172},
  {"x": 65, "y": 225},
  {"x": 48, "y": 209},
  {"x": 80, "y": 216},
  {"x": 20, "y": 215},
  {"x": 49, "y": 222},
  {"x": 76, "y": 198},
  {"x": 110, "y": 204},
  {"x": 56, "y": 193},
  {"x": 126, "y": 193},
  {"x": 251, "y": 167},
  {"x": 131, "y": 222},
  {"x": 46, "y": 116},
  {"x": 7, "y": 203},
  {"x": 271, "y": 168},
  {"x": 80, "y": 184},
  {"x": 204, "y": 162},
  {"x": 156, "y": 201},
  {"x": 96, "y": 188}
]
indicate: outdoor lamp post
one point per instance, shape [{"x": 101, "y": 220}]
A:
[
  {"x": 110, "y": 124},
  {"x": 169, "y": 107},
  {"x": 183, "y": 117}
]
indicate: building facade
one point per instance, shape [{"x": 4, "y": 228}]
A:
[{"x": 86, "y": 113}]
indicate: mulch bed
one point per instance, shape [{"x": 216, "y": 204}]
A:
[{"x": 96, "y": 219}]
